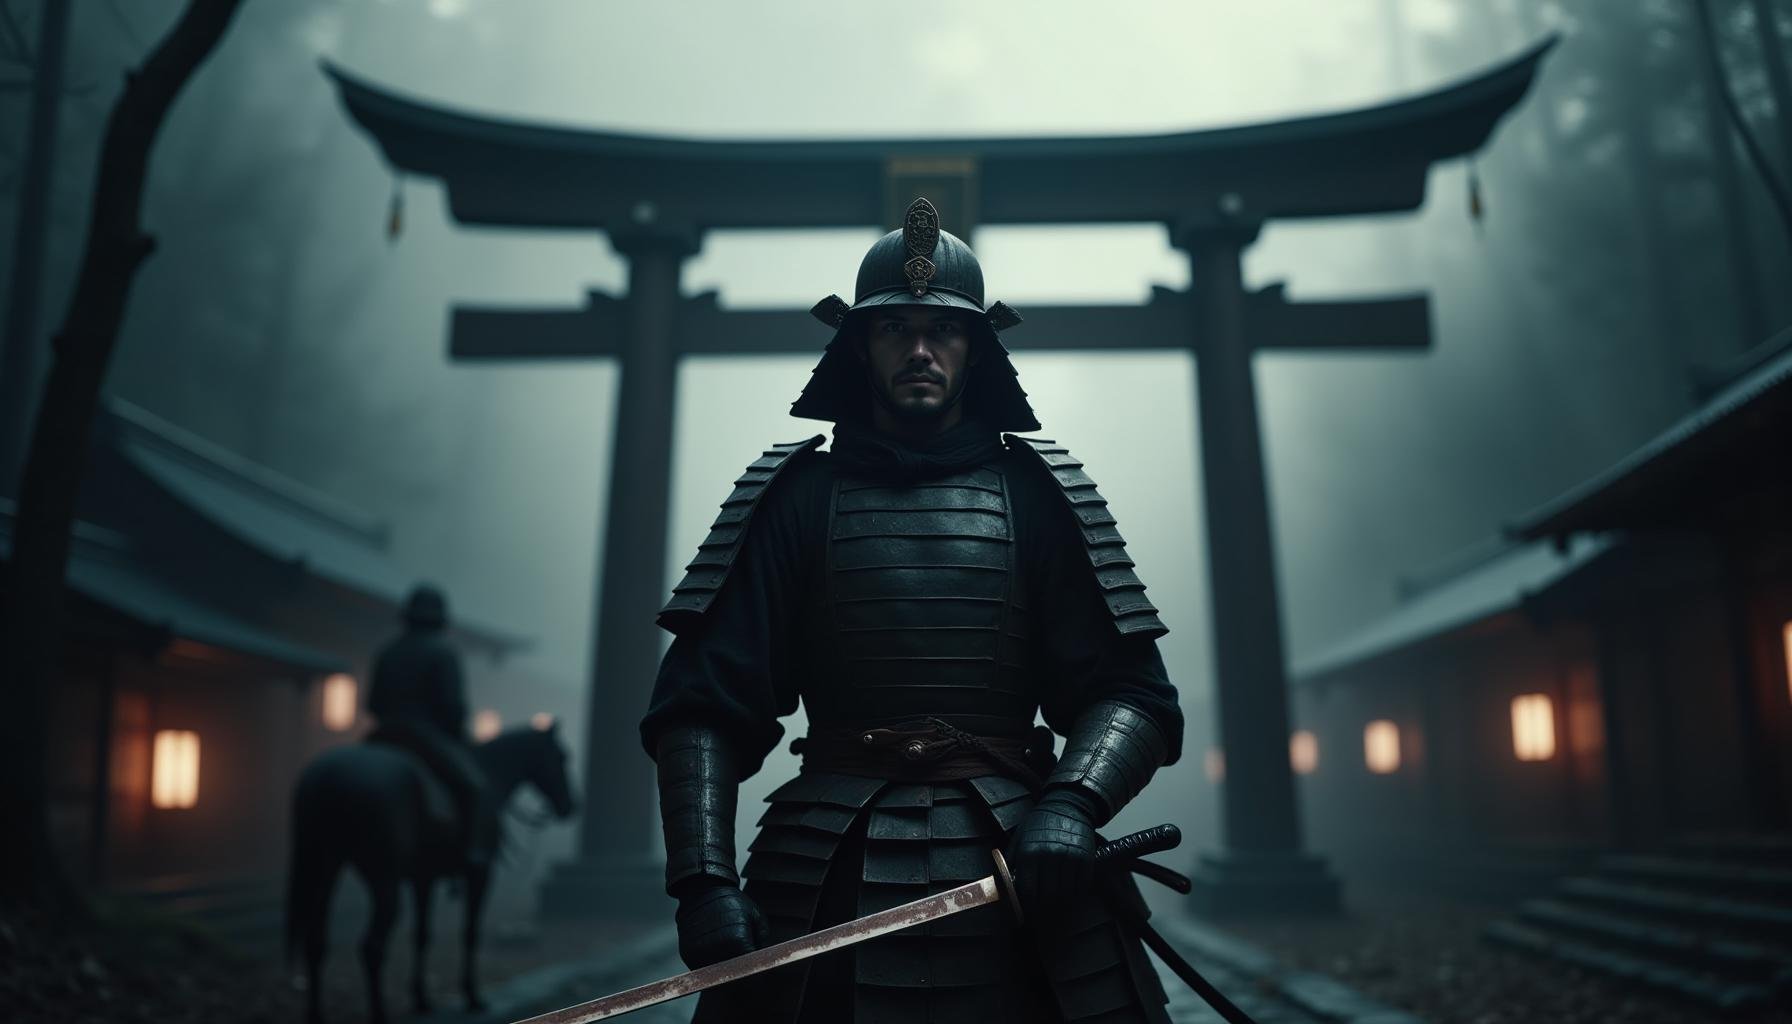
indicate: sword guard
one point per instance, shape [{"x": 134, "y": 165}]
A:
[
  {"x": 1122, "y": 852},
  {"x": 1006, "y": 881}
]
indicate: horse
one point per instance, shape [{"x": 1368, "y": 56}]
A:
[{"x": 370, "y": 806}]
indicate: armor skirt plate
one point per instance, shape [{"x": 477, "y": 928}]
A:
[{"x": 832, "y": 847}]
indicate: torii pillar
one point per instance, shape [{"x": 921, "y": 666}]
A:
[
  {"x": 1262, "y": 865},
  {"x": 616, "y": 869}
]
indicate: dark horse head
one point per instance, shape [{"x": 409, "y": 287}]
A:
[
  {"x": 529, "y": 756},
  {"x": 365, "y": 806}
]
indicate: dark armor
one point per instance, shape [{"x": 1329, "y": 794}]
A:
[
  {"x": 1111, "y": 752},
  {"x": 924, "y": 605},
  {"x": 704, "y": 575},
  {"x": 923, "y": 614},
  {"x": 698, "y": 782},
  {"x": 1121, "y": 588},
  {"x": 925, "y": 652}
]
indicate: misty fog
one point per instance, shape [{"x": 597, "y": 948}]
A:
[{"x": 278, "y": 320}]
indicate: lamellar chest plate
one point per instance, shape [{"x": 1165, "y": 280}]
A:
[{"x": 925, "y": 601}]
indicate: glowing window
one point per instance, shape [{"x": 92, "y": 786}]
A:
[
  {"x": 1215, "y": 763},
  {"x": 339, "y": 702},
  {"x": 1533, "y": 727},
  {"x": 1381, "y": 746},
  {"x": 1303, "y": 752},
  {"x": 174, "y": 769},
  {"x": 486, "y": 724},
  {"x": 1788, "y": 644}
]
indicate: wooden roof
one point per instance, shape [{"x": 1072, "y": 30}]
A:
[
  {"x": 1724, "y": 463},
  {"x": 516, "y": 173}
]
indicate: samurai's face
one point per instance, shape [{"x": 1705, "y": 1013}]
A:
[{"x": 917, "y": 359}]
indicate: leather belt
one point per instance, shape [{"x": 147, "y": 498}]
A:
[{"x": 925, "y": 750}]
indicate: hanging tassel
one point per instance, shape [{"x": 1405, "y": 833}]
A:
[
  {"x": 1475, "y": 209},
  {"x": 395, "y": 213}
]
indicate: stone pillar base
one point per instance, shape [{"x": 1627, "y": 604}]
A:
[
  {"x": 1232, "y": 884},
  {"x": 612, "y": 887}
]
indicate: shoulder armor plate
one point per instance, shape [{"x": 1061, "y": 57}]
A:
[
  {"x": 1121, "y": 588},
  {"x": 704, "y": 576}
]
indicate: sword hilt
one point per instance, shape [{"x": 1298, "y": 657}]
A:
[
  {"x": 1155, "y": 839},
  {"x": 1122, "y": 851}
]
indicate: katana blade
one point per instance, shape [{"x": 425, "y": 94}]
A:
[{"x": 932, "y": 908}]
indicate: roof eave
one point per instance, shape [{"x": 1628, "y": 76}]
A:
[{"x": 1402, "y": 137}]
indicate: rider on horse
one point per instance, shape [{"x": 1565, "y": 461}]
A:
[{"x": 420, "y": 700}]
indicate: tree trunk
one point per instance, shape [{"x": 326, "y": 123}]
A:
[
  {"x": 21, "y": 361},
  {"x": 57, "y": 458}
]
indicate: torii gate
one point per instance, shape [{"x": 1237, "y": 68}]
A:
[{"x": 1215, "y": 189}]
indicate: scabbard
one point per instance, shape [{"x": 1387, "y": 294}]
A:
[{"x": 1227, "y": 1010}]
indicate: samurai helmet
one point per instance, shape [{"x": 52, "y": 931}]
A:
[
  {"x": 426, "y": 608},
  {"x": 919, "y": 265}
]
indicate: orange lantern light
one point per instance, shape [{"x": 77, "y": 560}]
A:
[
  {"x": 339, "y": 702},
  {"x": 486, "y": 724},
  {"x": 1533, "y": 727},
  {"x": 1381, "y": 746},
  {"x": 1788, "y": 644},
  {"x": 174, "y": 769},
  {"x": 1303, "y": 752}
]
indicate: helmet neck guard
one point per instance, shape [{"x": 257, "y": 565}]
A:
[{"x": 920, "y": 265}]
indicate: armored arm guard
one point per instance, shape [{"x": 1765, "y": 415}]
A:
[
  {"x": 1111, "y": 752},
  {"x": 698, "y": 789}
]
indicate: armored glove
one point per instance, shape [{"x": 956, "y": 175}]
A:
[
  {"x": 716, "y": 921},
  {"x": 698, "y": 786},
  {"x": 1111, "y": 752},
  {"x": 1052, "y": 853}
]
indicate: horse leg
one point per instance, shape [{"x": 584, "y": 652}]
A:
[
  {"x": 315, "y": 930},
  {"x": 478, "y": 878},
  {"x": 384, "y": 889},
  {"x": 424, "y": 888}
]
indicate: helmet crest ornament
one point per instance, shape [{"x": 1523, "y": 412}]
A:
[
  {"x": 920, "y": 236},
  {"x": 920, "y": 264}
]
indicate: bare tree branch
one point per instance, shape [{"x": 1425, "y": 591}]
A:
[
  {"x": 15, "y": 39},
  {"x": 1770, "y": 180},
  {"x": 34, "y": 624},
  {"x": 129, "y": 30}
]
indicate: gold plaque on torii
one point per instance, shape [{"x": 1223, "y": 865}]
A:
[{"x": 949, "y": 182}]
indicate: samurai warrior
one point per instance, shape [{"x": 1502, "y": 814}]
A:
[
  {"x": 924, "y": 588},
  {"x": 419, "y": 701}
]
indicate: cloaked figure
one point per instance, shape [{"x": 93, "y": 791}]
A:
[
  {"x": 418, "y": 698},
  {"x": 923, "y": 588}
]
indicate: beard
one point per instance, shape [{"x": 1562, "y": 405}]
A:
[{"x": 916, "y": 412}]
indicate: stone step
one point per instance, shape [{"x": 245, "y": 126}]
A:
[
  {"x": 158, "y": 891},
  {"x": 1729, "y": 878},
  {"x": 1704, "y": 987},
  {"x": 1741, "y": 917},
  {"x": 1693, "y": 948},
  {"x": 1771, "y": 850}
]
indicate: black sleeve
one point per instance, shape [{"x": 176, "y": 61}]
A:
[
  {"x": 1083, "y": 657},
  {"x": 379, "y": 688},
  {"x": 451, "y": 692},
  {"x": 736, "y": 669}
]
